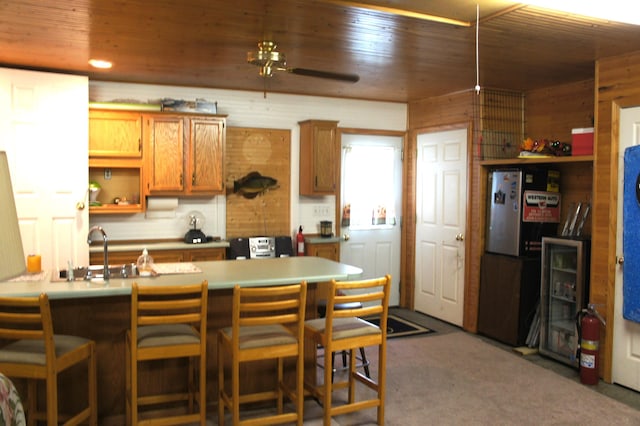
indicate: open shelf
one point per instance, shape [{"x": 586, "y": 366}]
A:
[{"x": 538, "y": 160}]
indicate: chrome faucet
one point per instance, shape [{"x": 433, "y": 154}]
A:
[{"x": 105, "y": 274}]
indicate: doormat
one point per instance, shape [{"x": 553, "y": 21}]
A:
[{"x": 400, "y": 327}]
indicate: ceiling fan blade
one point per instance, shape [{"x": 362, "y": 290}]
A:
[{"x": 351, "y": 78}]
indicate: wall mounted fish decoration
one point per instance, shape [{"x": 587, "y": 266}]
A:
[{"x": 254, "y": 184}]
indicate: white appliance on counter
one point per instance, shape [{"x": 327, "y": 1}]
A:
[{"x": 259, "y": 247}]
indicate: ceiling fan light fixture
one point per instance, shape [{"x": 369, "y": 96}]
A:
[{"x": 269, "y": 60}]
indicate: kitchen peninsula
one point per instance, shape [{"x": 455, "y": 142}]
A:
[{"x": 101, "y": 311}]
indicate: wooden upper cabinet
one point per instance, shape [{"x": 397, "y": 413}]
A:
[
  {"x": 184, "y": 154},
  {"x": 164, "y": 144},
  {"x": 206, "y": 145},
  {"x": 116, "y": 134},
  {"x": 318, "y": 157}
]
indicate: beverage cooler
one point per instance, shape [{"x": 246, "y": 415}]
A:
[{"x": 564, "y": 292}]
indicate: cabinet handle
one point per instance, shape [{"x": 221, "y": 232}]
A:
[
  {"x": 193, "y": 178},
  {"x": 181, "y": 179}
]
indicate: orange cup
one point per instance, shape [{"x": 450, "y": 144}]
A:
[{"x": 34, "y": 263}]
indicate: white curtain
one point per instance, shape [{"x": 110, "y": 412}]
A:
[{"x": 368, "y": 185}]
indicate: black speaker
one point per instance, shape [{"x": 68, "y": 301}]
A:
[
  {"x": 284, "y": 247},
  {"x": 238, "y": 248}
]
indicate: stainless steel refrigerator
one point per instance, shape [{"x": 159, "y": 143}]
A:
[{"x": 523, "y": 206}]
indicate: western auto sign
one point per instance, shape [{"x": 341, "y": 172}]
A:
[{"x": 540, "y": 206}]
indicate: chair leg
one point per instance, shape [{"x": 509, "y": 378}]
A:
[
  {"x": 191, "y": 390},
  {"x": 333, "y": 362},
  {"x": 32, "y": 403},
  {"x": 382, "y": 378},
  {"x": 352, "y": 374},
  {"x": 220, "y": 383},
  {"x": 93, "y": 386},
  {"x": 328, "y": 389},
  {"x": 279, "y": 385},
  {"x": 235, "y": 391},
  {"x": 134, "y": 390},
  {"x": 202, "y": 382},
  {"x": 52, "y": 400},
  {"x": 127, "y": 394},
  {"x": 365, "y": 363},
  {"x": 300, "y": 388}
]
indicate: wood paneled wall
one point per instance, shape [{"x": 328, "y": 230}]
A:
[
  {"x": 268, "y": 152},
  {"x": 552, "y": 112},
  {"x": 617, "y": 86},
  {"x": 549, "y": 113},
  {"x": 429, "y": 115}
]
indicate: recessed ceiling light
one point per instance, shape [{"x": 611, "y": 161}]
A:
[{"x": 100, "y": 63}]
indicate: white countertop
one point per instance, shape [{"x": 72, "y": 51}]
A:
[{"x": 221, "y": 274}]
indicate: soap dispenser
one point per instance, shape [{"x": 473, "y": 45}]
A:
[{"x": 145, "y": 263}]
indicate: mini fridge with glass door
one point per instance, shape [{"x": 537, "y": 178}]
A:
[{"x": 564, "y": 292}]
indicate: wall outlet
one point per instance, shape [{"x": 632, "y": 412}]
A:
[{"x": 320, "y": 210}]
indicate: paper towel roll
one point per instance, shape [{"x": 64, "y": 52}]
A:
[{"x": 162, "y": 204}]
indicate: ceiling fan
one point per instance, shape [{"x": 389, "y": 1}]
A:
[{"x": 270, "y": 60}]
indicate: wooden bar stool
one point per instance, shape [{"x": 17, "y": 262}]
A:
[
  {"x": 167, "y": 322},
  {"x": 35, "y": 353},
  {"x": 345, "y": 330},
  {"x": 362, "y": 359},
  {"x": 267, "y": 324}
]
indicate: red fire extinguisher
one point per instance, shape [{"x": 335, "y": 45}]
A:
[
  {"x": 588, "y": 322},
  {"x": 300, "y": 242}
]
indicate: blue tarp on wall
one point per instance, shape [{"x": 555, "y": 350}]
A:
[{"x": 631, "y": 235}]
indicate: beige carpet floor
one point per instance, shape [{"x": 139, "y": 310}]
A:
[{"x": 457, "y": 378}]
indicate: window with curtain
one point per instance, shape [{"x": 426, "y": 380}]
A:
[{"x": 368, "y": 198}]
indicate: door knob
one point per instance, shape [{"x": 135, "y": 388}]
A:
[
  {"x": 346, "y": 237},
  {"x": 460, "y": 237},
  {"x": 620, "y": 260}
]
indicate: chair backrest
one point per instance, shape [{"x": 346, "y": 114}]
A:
[
  {"x": 367, "y": 297},
  {"x": 163, "y": 305},
  {"x": 27, "y": 318},
  {"x": 263, "y": 306}
]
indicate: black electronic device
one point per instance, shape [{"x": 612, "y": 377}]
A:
[{"x": 195, "y": 235}]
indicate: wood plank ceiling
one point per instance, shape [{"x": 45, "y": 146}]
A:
[{"x": 204, "y": 43}]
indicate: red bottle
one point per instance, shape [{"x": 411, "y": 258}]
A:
[{"x": 300, "y": 242}]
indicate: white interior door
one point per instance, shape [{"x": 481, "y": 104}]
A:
[
  {"x": 626, "y": 334},
  {"x": 372, "y": 190},
  {"x": 44, "y": 130},
  {"x": 441, "y": 195}
]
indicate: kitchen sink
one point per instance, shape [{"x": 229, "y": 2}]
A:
[{"x": 96, "y": 272}]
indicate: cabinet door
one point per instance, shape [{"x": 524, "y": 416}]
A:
[
  {"x": 115, "y": 134},
  {"x": 115, "y": 257},
  {"x": 203, "y": 255},
  {"x": 205, "y": 155},
  {"x": 325, "y": 250},
  {"x": 165, "y": 154},
  {"x": 318, "y": 157},
  {"x": 324, "y": 159}
]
